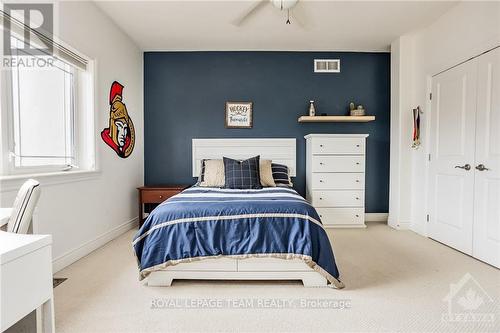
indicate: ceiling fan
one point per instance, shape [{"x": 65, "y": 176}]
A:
[{"x": 283, "y": 5}]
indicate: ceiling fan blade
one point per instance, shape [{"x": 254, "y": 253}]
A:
[{"x": 249, "y": 12}]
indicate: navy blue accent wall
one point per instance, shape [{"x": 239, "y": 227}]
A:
[{"x": 185, "y": 95}]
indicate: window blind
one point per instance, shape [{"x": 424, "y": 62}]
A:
[{"x": 61, "y": 52}]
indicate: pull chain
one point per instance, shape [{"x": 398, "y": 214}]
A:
[{"x": 288, "y": 17}]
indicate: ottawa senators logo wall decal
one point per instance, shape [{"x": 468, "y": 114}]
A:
[{"x": 120, "y": 135}]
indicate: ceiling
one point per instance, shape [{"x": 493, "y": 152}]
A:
[{"x": 327, "y": 25}]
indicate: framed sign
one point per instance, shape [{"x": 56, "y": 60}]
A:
[{"x": 239, "y": 115}]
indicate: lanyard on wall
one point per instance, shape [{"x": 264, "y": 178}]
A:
[{"x": 416, "y": 128}]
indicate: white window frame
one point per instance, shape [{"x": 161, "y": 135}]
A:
[
  {"x": 12, "y": 168},
  {"x": 84, "y": 140}
]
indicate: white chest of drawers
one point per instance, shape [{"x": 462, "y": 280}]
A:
[{"x": 335, "y": 178}]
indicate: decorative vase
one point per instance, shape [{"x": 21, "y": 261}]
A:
[{"x": 312, "y": 109}]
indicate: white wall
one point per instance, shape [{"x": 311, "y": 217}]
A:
[
  {"x": 82, "y": 215},
  {"x": 401, "y": 122},
  {"x": 465, "y": 31}
]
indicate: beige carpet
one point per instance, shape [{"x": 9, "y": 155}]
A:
[{"x": 395, "y": 281}]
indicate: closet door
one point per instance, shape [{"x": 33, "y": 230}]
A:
[
  {"x": 451, "y": 197},
  {"x": 487, "y": 167}
]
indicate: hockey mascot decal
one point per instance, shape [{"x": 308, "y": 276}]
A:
[{"x": 120, "y": 134}]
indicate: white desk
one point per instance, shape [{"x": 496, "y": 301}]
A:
[{"x": 26, "y": 279}]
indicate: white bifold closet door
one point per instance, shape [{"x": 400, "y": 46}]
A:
[
  {"x": 452, "y": 155},
  {"x": 486, "y": 232},
  {"x": 464, "y": 187}
]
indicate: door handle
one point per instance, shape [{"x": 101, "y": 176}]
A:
[
  {"x": 465, "y": 167},
  {"x": 481, "y": 167}
]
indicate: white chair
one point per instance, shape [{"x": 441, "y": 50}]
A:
[{"x": 22, "y": 211}]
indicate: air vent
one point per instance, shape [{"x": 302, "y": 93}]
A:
[{"x": 326, "y": 65}]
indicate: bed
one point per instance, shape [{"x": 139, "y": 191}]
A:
[{"x": 216, "y": 233}]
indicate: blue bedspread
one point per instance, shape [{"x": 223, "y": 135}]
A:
[{"x": 201, "y": 222}]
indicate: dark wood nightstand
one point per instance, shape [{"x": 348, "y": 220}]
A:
[{"x": 156, "y": 195}]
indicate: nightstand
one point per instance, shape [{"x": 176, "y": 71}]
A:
[{"x": 156, "y": 195}]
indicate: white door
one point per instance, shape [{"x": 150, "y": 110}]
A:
[
  {"x": 487, "y": 166},
  {"x": 451, "y": 195}
]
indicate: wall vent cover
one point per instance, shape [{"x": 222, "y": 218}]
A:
[{"x": 326, "y": 65}]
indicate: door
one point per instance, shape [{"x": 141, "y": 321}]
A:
[
  {"x": 486, "y": 233},
  {"x": 451, "y": 195}
]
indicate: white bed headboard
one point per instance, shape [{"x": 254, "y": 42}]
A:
[{"x": 278, "y": 150}]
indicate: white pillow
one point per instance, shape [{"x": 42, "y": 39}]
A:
[
  {"x": 212, "y": 173},
  {"x": 266, "y": 173}
]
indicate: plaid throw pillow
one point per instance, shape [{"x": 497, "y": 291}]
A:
[
  {"x": 281, "y": 175},
  {"x": 242, "y": 174}
]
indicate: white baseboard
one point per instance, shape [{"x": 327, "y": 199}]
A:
[
  {"x": 419, "y": 229},
  {"x": 86, "y": 248},
  {"x": 398, "y": 225},
  {"x": 403, "y": 226},
  {"x": 376, "y": 217}
]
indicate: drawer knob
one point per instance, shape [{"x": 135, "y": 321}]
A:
[
  {"x": 357, "y": 146},
  {"x": 161, "y": 196},
  {"x": 357, "y": 215},
  {"x": 320, "y": 215},
  {"x": 320, "y": 163},
  {"x": 320, "y": 198},
  {"x": 320, "y": 180},
  {"x": 357, "y": 163},
  {"x": 321, "y": 146},
  {"x": 357, "y": 198},
  {"x": 357, "y": 180}
]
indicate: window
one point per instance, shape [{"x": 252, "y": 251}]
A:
[
  {"x": 43, "y": 112},
  {"x": 46, "y": 111}
]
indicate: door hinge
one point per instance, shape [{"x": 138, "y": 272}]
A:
[
  {"x": 429, "y": 157},
  {"x": 430, "y": 96},
  {"x": 428, "y": 218}
]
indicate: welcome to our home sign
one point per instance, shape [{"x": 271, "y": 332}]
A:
[{"x": 239, "y": 115}]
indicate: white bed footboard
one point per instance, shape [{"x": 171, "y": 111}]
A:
[{"x": 239, "y": 269}]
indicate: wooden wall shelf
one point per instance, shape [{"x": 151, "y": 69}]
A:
[{"x": 336, "y": 119}]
